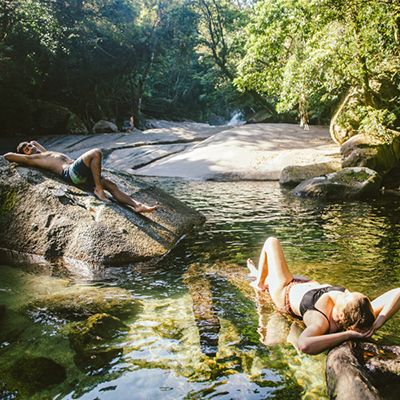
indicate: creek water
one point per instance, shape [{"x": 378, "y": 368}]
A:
[{"x": 201, "y": 332}]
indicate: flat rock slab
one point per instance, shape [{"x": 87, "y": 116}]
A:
[
  {"x": 44, "y": 220},
  {"x": 248, "y": 152}
]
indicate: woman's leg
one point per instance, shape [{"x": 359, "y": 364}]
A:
[{"x": 273, "y": 271}]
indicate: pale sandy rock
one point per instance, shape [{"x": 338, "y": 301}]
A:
[{"x": 249, "y": 152}]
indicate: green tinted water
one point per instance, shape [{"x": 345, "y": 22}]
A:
[{"x": 244, "y": 348}]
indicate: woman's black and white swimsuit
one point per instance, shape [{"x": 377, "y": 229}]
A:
[{"x": 312, "y": 296}]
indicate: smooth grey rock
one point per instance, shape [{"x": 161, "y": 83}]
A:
[
  {"x": 50, "y": 119},
  {"x": 363, "y": 371},
  {"x": 364, "y": 151},
  {"x": 348, "y": 183},
  {"x": 104, "y": 126},
  {"x": 295, "y": 174},
  {"x": 43, "y": 216}
]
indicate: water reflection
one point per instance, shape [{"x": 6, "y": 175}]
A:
[{"x": 201, "y": 331}]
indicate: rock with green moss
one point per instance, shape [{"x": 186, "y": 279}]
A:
[
  {"x": 348, "y": 183},
  {"x": 295, "y": 174},
  {"x": 77, "y": 303},
  {"x": 44, "y": 218},
  {"x": 31, "y": 374},
  {"x": 94, "y": 330},
  {"x": 379, "y": 154},
  {"x": 91, "y": 340}
]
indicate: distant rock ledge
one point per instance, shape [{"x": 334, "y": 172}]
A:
[{"x": 45, "y": 222}]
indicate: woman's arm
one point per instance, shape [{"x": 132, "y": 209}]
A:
[
  {"x": 385, "y": 306},
  {"x": 313, "y": 341}
]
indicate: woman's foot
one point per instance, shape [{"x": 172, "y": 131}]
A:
[
  {"x": 254, "y": 274},
  {"x": 252, "y": 268}
]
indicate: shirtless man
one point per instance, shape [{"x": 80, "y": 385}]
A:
[{"x": 85, "y": 172}]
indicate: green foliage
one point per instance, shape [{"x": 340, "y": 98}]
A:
[
  {"x": 195, "y": 58},
  {"x": 307, "y": 53}
]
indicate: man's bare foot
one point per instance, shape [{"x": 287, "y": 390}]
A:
[
  {"x": 142, "y": 208},
  {"x": 100, "y": 194}
]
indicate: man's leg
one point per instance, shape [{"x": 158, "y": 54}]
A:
[
  {"x": 92, "y": 159},
  {"x": 123, "y": 198}
]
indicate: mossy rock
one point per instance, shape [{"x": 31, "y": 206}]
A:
[
  {"x": 78, "y": 303},
  {"x": 96, "y": 329},
  {"x": 348, "y": 183},
  {"x": 97, "y": 360},
  {"x": 31, "y": 374}
]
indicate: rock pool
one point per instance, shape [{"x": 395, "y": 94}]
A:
[{"x": 191, "y": 327}]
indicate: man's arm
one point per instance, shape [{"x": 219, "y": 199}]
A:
[
  {"x": 19, "y": 158},
  {"x": 38, "y": 145}
]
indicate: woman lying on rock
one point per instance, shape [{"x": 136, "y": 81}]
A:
[
  {"x": 332, "y": 314},
  {"x": 85, "y": 172}
]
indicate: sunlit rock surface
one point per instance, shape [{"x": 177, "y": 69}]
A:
[
  {"x": 249, "y": 152},
  {"x": 295, "y": 174},
  {"x": 348, "y": 183},
  {"x": 199, "y": 151},
  {"x": 44, "y": 220}
]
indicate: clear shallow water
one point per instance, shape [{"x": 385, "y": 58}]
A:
[{"x": 201, "y": 287}]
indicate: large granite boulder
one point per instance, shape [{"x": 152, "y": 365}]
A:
[
  {"x": 348, "y": 183},
  {"x": 104, "y": 126},
  {"x": 53, "y": 119},
  {"x": 44, "y": 219},
  {"x": 371, "y": 152},
  {"x": 295, "y": 174},
  {"x": 363, "y": 371}
]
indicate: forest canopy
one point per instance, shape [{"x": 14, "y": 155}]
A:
[{"x": 291, "y": 60}]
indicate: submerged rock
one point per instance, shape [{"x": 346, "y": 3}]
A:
[
  {"x": 31, "y": 374},
  {"x": 78, "y": 303},
  {"x": 295, "y": 174},
  {"x": 348, "y": 183},
  {"x": 43, "y": 216},
  {"x": 95, "y": 329},
  {"x": 363, "y": 371},
  {"x": 205, "y": 314},
  {"x": 90, "y": 340}
]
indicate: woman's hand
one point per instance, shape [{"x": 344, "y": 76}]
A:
[{"x": 354, "y": 335}]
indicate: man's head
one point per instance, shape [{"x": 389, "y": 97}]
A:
[
  {"x": 27, "y": 148},
  {"x": 356, "y": 312}
]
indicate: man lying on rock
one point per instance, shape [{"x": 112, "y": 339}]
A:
[{"x": 85, "y": 172}]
